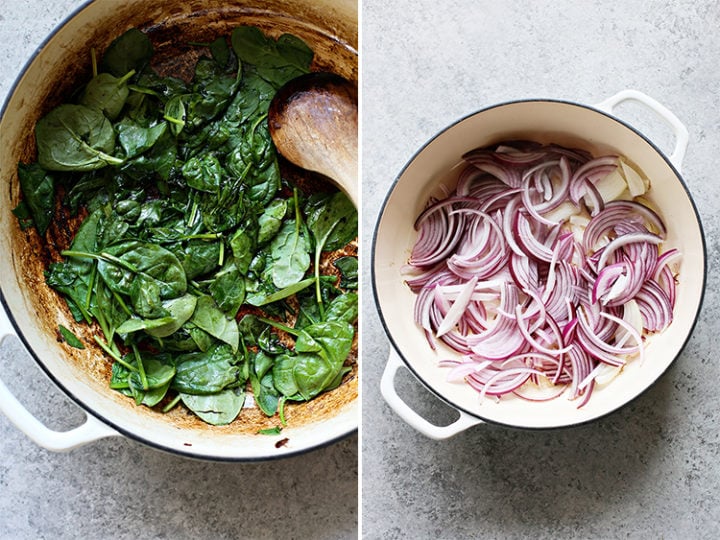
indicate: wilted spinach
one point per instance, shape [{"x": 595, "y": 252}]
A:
[
  {"x": 38, "y": 188},
  {"x": 70, "y": 338},
  {"x": 189, "y": 227},
  {"x": 317, "y": 363},
  {"x": 218, "y": 409},
  {"x": 276, "y": 61},
  {"x": 75, "y": 138},
  {"x": 333, "y": 221},
  {"x": 107, "y": 94},
  {"x": 129, "y": 51},
  {"x": 348, "y": 268}
]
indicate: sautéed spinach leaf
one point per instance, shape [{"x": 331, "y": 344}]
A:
[{"x": 195, "y": 259}]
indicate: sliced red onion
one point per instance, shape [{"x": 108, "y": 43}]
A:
[
  {"x": 522, "y": 293},
  {"x": 619, "y": 212}
]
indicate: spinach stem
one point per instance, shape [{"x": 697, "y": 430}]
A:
[
  {"x": 174, "y": 120},
  {"x": 245, "y": 172},
  {"x": 85, "y": 313},
  {"x": 106, "y": 257},
  {"x": 287, "y": 291},
  {"x": 281, "y": 411},
  {"x": 298, "y": 216},
  {"x": 119, "y": 262},
  {"x": 101, "y": 314},
  {"x": 110, "y": 160},
  {"x": 260, "y": 119},
  {"x": 143, "y": 90},
  {"x": 202, "y": 236},
  {"x": 115, "y": 356},
  {"x": 91, "y": 285},
  {"x": 122, "y": 303},
  {"x": 279, "y": 326},
  {"x": 193, "y": 213},
  {"x": 319, "y": 244},
  {"x": 141, "y": 368},
  {"x": 125, "y": 77},
  {"x": 93, "y": 59},
  {"x": 318, "y": 290},
  {"x": 172, "y": 404}
]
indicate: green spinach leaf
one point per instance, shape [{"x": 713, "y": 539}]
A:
[
  {"x": 264, "y": 392},
  {"x": 204, "y": 373},
  {"x": 290, "y": 251},
  {"x": 120, "y": 264},
  {"x": 276, "y": 61},
  {"x": 75, "y": 138},
  {"x": 135, "y": 138},
  {"x": 343, "y": 308},
  {"x": 70, "y": 338},
  {"x": 177, "y": 312},
  {"x": 250, "y": 327},
  {"x": 204, "y": 174},
  {"x": 271, "y": 219},
  {"x": 38, "y": 189},
  {"x": 216, "y": 409},
  {"x": 159, "y": 371},
  {"x": 228, "y": 290},
  {"x": 333, "y": 220},
  {"x": 107, "y": 94},
  {"x": 130, "y": 51},
  {"x": 243, "y": 245},
  {"x": 210, "y": 318},
  {"x": 158, "y": 161},
  {"x": 348, "y": 267},
  {"x": 317, "y": 365},
  {"x": 198, "y": 257}
]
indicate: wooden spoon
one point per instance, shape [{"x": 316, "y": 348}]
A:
[{"x": 313, "y": 122}]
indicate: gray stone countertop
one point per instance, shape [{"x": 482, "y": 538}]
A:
[
  {"x": 118, "y": 488},
  {"x": 649, "y": 470}
]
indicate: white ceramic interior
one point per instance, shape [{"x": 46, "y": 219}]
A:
[
  {"x": 330, "y": 27},
  {"x": 543, "y": 121}
]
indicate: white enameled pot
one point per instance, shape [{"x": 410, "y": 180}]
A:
[
  {"x": 595, "y": 129},
  {"x": 30, "y": 310}
]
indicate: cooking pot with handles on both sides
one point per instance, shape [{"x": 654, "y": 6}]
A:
[
  {"x": 32, "y": 311},
  {"x": 596, "y": 130}
]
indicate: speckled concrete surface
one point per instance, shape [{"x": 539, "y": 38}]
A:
[
  {"x": 117, "y": 488},
  {"x": 650, "y": 470}
]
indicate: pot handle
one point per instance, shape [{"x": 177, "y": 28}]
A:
[
  {"x": 56, "y": 441},
  {"x": 679, "y": 129},
  {"x": 403, "y": 410}
]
